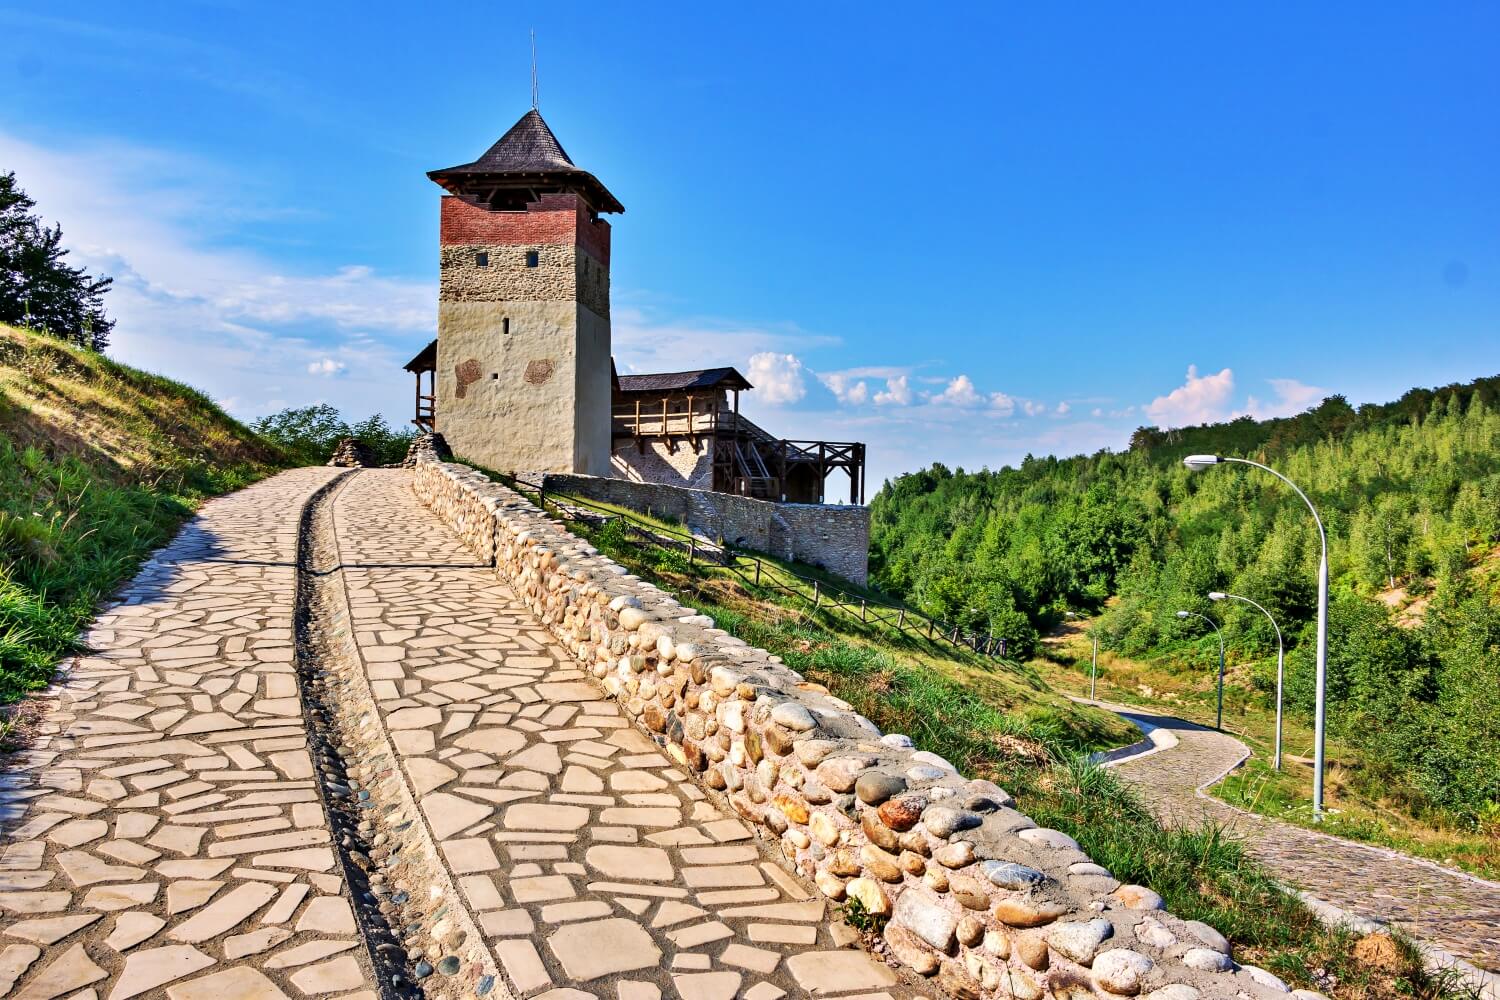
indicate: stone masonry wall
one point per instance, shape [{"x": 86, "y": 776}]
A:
[
  {"x": 978, "y": 896},
  {"x": 563, "y": 273},
  {"x": 836, "y": 538},
  {"x": 687, "y": 465}
]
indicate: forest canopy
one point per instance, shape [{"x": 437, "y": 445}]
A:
[{"x": 1410, "y": 493}]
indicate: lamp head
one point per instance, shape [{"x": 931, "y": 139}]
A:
[
  {"x": 1184, "y": 614},
  {"x": 1197, "y": 462},
  {"x": 1217, "y": 595}
]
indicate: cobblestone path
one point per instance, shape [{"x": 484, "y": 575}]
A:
[
  {"x": 591, "y": 865},
  {"x": 1455, "y": 911},
  {"x": 164, "y": 835}
]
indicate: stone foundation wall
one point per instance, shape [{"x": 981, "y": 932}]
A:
[
  {"x": 977, "y": 895},
  {"x": 834, "y": 537},
  {"x": 686, "y": 466}
]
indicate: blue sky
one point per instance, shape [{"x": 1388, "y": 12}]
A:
[{"x": 961, "y": 234}]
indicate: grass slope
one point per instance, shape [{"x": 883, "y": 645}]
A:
[
  {"x": 1001, "y": 721},
  {"x": 99, "y": 465}
]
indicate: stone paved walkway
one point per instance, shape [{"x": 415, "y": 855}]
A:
[
  {"x": 1455, "y": 911},
  {"x": 587, "y": 859},
  {"x": 164, "y": 836}
]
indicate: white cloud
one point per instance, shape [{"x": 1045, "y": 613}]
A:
[
  {"x": 1199, "y": 400},
  {"x": 897, "y": 392},
  {"x": 1292, "y": 397},
  {"x": 847, "y": 391},
  {"x": 874, "y": 371},
  {"x": 1002, "y": 404},
  {"x": 645, "y": 342},
  {"x": 191, "y": 304},
  {"x": 959, "y": 392},
  {"x": 778, "y": 378},
  {"x": 1032, "y": 408},
  {"x": 1062, "y": 409}
]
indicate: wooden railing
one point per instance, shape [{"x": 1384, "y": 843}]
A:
[
  {"x": 648, "y": 420},
  {"x": 426, "y": 417}
]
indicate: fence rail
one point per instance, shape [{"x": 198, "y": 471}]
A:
[{"x": 755, "y": 572}]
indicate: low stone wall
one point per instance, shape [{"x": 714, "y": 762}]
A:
[
  {"x": 977, "y": 895},
  {"x": 836, "y": 538}
]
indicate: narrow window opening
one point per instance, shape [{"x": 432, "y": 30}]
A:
[
  {"x": 533, "y": 258},
  {"x": 482, "y": 259},
  {"x": 505, "y": 326}
]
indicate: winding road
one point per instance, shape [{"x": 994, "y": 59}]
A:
[{"x": 1449, "y": 910}]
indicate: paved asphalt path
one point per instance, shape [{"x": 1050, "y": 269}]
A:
[{"x": 1452, "y": 910}]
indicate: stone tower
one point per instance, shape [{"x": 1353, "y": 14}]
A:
[{"x": 523, "y": 348}]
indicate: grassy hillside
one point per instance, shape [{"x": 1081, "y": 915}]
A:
[
  {"x": 1001, "y": 720},
  {"x": 1410, "y": 492},
  {"x": 99, "y": 464}
]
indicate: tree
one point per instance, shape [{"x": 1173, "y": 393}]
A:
[
  {"x": 1380, "y": 536},
  {"x": 307, "y": 433},
  {"x": 38, "y": 289}
]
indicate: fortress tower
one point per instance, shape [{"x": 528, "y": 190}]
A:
[{"x": 523, "y": 377}]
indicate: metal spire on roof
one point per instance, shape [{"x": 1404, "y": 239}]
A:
[{"x": 534, "y": 105}]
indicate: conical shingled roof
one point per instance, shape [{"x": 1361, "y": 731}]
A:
[
  {"x": 528, "y": 152},
  {"x": 529, "y": 147}
]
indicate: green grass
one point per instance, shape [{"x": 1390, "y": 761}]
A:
[
  {"x": 99, "y": 465},
  {"x": 998, "y": 721}
]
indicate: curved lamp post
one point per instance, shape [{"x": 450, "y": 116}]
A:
[
  {"x": 1219, "y": 595},
  {"x": 1196, "y": 462},
  {"x": 1094, "y": 666},
  {"x": 1193, "y": 614}
]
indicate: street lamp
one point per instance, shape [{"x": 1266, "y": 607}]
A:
[
  {"x": 1219, "y": 595},
  {"x": 1094, "y": 667},
  {"x": 1193, "y": 614},
  {"x": 1197, "y": 462}
]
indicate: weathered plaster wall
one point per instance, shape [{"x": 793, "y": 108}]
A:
[
  {"x": 835, "y": 538},
  {"x": 978, "y": 896},
  {"x": 592, "y": 394},
  {"x": 502, "y": 420},
  {"x": 523, "y": 371}
]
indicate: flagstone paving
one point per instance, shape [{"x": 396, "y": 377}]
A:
[
  {"x": 591, "y": 864},
  {"x": 163, "y": 833}
]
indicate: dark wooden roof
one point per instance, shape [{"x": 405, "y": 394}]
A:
[
  {"x": 704, "y": 378},
  {"x": 530, "y": 156},
  {"x": 425, "y": 361}
]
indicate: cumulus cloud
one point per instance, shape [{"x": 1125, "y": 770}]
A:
[
  {"x": 778, "y": 378},
  {"x": 1291, "y": 397},
  {"x": 1201, "y": 399},
  {"x": 959, "y": 392},
  {"x": 897, "y": 392},
  {"x": 1032, "y": 408},
  {"x": 1062, "y": 409},
  {"x": 644, "y": 341},
  {"x": 193, "y": 303},
  {"x": 845, "y": 388},
  {"x": 1002, "y": 404}
]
